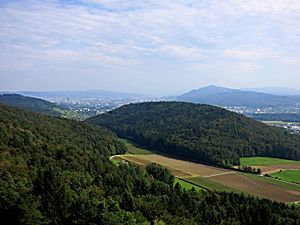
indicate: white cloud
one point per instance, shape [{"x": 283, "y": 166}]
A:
[
  {"x": 243, "y": 54},
  {"x": 262, "y": 6},
  {"x": 146, "y": 33}
]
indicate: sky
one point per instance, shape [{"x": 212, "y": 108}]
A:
[{"x": 161, "y": 47}]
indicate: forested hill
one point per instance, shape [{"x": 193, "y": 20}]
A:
[
  {"x": 32, "y": 104},
  {"x": 55, "y": 171},
  {"x": 200, "y": 132},
  {"x": 26, "y": 131}
]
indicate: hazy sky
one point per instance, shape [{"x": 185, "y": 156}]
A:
[{"x": 148, "y": 46}]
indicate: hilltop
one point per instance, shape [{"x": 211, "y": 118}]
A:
[
  {"x": 30, "y": 103},
  {"x": 40, "y": 106}
]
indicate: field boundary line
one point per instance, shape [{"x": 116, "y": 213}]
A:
[
  {"x": 220, "y": 174},
  {"x": 283, "y": 181}
]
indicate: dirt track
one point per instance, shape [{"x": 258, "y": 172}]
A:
[
  {"x": 277, "y": 168},
  {"x": 180, "y": 168}
]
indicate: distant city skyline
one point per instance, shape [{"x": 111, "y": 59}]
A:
[{"x": 148, "y": 47}]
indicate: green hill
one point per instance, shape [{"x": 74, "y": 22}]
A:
[
  {"x": 199, "y": 132},
  {"x": 30, "y": 103},
  {"x": 40, "y": 106},
  {"x": 56, "y": 171}
]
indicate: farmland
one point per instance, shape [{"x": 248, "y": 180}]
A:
[
  {"x": 288, "y": 175},
  {"x": 215, "y": 178},
  {"x": 211, "y": 185},
  {"x": 181, "y": 168},
  {"x": 257, "y": 187},
  {"x": 134, "y": 149},
  {"x": 270, "y": 180},
  {"x": 266, "y": 161},
  {"x": 281, "y": 169},
  {"x": 187, "y": 185}
]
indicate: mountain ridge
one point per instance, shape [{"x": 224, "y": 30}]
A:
[
  {"x": 30, "y": 103},
  {"x": 235, "y": 97}
]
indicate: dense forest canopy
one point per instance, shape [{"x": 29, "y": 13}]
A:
[
  {"x": 56, "y": 171},
  {"x": 30, "y": 103},
  {"x": 200, "y": 132}
]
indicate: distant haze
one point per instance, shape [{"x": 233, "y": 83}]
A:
[{"x": 148, "y": 47}]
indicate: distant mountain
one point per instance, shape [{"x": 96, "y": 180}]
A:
[
  {"x": 199, "y": 132},
  {"x": 30, "y": 103},
  {"x": 81, "y": 94},
  {"x": 275, "y": 90},
  {"x": 208, "y": 90},
  {"x": 234, "y": 97}
]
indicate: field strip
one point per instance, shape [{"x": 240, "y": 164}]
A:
[
  {"x": 280, "y": 180},
  {"x": 219, "y": 174},
  {"x": 192, "y": 183},
  {"x": 179, "y": 168},
  {"x": 284, "y": 181},
  {"x": 258, "y": 187},
  {"x": 215, "y": 178}
]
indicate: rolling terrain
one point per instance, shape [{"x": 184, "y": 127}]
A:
[
  {"x": 57, "y": 171},
  {"x": 202, "y": 133},
  {"x": 280, "y": 169},
  {"x": 213, "y": 178},
  {"x": 30, "y": 103},
  {"x": 39, "y": 106}
]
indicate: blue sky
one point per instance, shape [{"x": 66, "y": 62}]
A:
[{"x": 148, "y": 46}]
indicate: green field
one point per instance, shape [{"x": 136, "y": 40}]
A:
[
  {"x": 210, "y": 185},
  {"x": 71, "y": 114},
  {"x": 115, "y": 162},
  {"x": 187, "y": 185},
  {"x": 135, "y": 149},
  {"x": 288, "y": 175},
  {"x": 275, "y": 182},
  {"x": 265, "y": 161}
]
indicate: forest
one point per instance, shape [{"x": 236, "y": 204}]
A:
[
  {"x": 30, "y": 103},
  {"x": 204, "y": 133},
  {"x": 57, "y": 171}
]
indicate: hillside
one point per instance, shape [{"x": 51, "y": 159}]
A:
[
  {"x": 233, "y": 97},
  {"x": 30, "y": 103},
  {"x": 55, "y": 171},
  {"x": 275, "y": 90},
  {"x": 199, "y": 132},
  {"x": 40, "y": 106}
]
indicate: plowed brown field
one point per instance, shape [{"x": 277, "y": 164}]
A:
[
  {"x": 257, "y": 187},
  {"x": 233, "y": 179},
  {"x": 277, "y": 168},
  {"x": 180, "y": 168}
]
